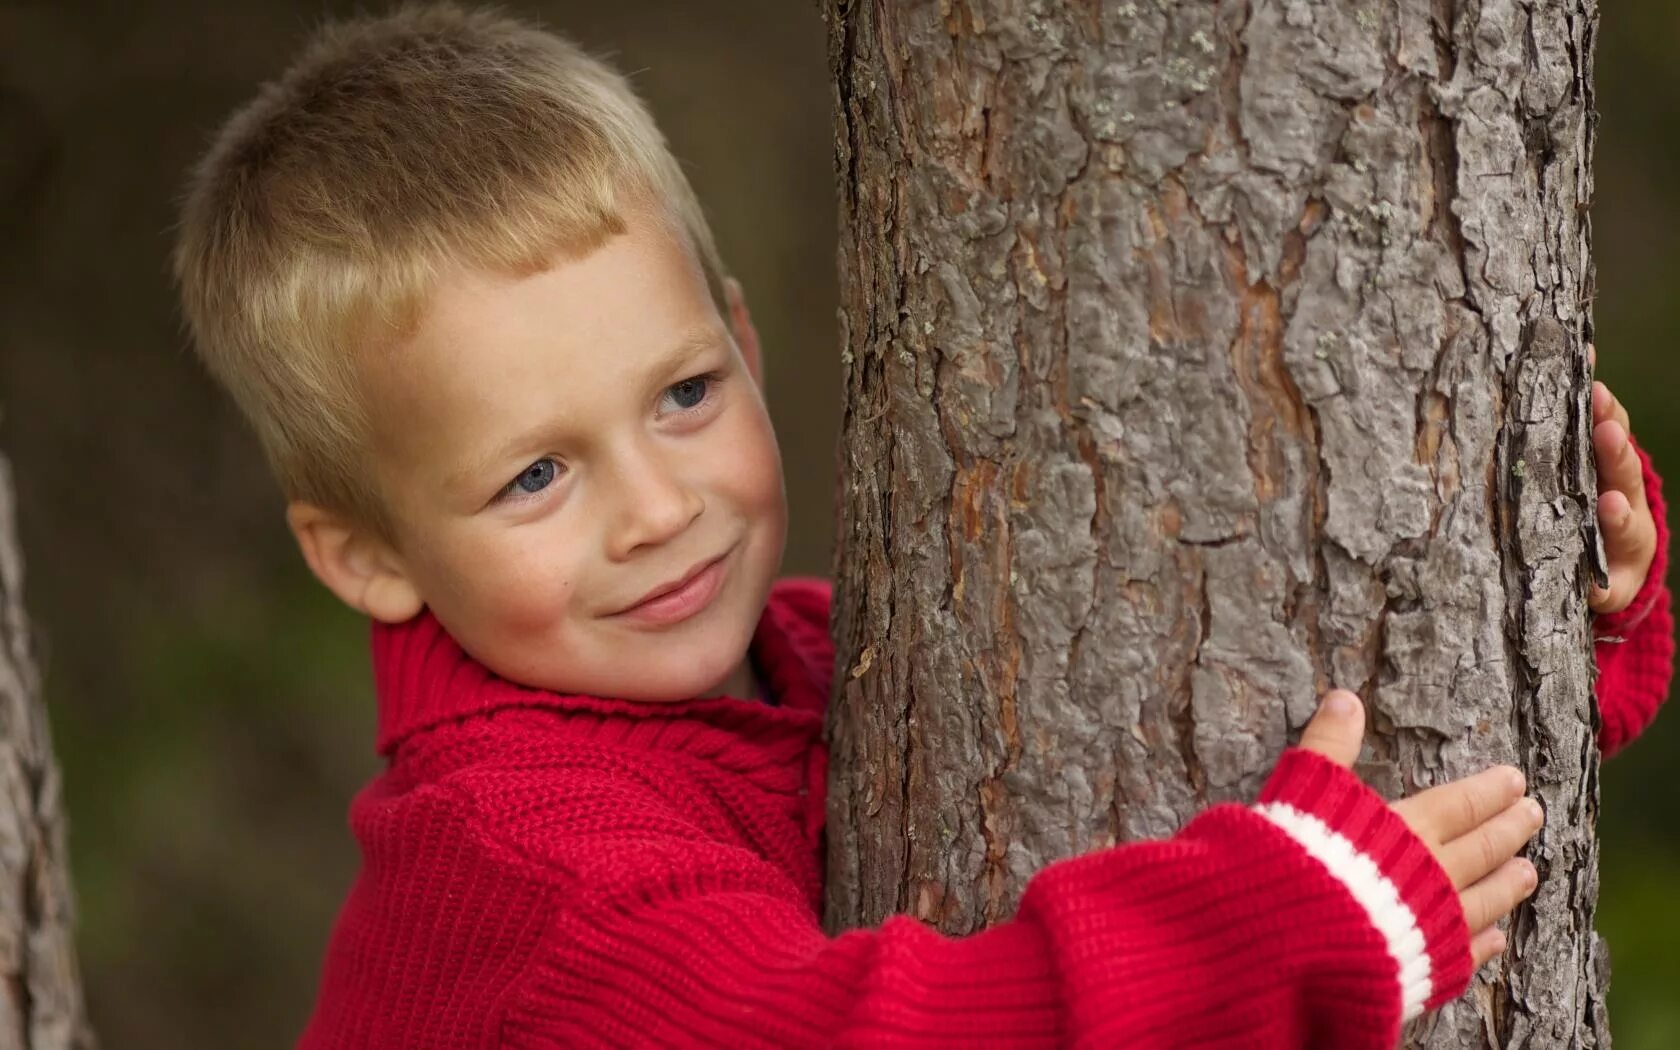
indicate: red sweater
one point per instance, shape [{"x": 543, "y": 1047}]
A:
[{"x": 565, "y": 871}]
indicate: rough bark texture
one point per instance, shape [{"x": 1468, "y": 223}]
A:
[
  {"x": 1200, "y": 356},
  {"x": 40, "y": 987}
]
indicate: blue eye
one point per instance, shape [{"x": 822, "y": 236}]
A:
[
  {"x": 536, "y": 477},
  {"x": 689, "y": 393}
]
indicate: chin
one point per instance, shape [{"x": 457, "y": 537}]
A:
[
  {"x": 661, "y": 689},
  {"x": 701, "y": 668},
  {"x": 693, "y": 683}
]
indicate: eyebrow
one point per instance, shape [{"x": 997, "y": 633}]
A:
[{"x": 695, "y": 341}]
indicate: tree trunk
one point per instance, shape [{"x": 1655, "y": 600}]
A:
[
  {"x": 41, "y": 995},
  {"x": 1201, "y": 356}
]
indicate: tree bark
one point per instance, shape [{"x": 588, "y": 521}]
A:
[
  {"x": 1200, "y": 357},
  {"x": 40, "y": 987}
]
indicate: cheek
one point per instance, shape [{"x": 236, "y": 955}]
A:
[
  {"x": 535, "y": 604},
  {"x": 522, "y": 587},
  {"x": 753, "y": 463}
]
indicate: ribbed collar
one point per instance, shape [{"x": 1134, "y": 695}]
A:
[{"x": 423, "y": 679}]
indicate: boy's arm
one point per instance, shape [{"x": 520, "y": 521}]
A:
[
  {"x": 1635, "y": 647},
  {"x": 1315, "y": 917}
]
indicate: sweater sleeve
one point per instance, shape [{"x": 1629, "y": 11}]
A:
[
  {"x": 1635, "y": 647},
  {"x": 1312, "y": 918}
]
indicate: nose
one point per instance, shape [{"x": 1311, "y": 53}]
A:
[{"x": 655, "y": 504}]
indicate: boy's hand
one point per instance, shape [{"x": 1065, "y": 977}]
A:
[
  {"x": 1474, "y": 826},
  {"x": 1624, "y": 517}
]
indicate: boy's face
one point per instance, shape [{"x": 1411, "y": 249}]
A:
[{"x": 586, "y": 486}]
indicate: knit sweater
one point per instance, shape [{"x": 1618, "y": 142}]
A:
[{"x": 566, "y": 871}]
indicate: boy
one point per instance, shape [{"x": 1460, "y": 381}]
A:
[{"x": 449, "y": 270}]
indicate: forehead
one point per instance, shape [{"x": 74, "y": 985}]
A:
[{"x": 497, "y": 347}]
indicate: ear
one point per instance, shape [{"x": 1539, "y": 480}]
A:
[
  {"x": 741, "y": 325},
  {"x": 362, "y": 569}
]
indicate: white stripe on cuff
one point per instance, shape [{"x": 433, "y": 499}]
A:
[{"x": 1372, "y": 889}]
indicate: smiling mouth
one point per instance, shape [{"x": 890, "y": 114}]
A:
[{"x": 682, "y": 598}]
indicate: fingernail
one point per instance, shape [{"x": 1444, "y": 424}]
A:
[
  {"x": 1531, "y": 878},
  {"x": 1499, "y": 944},
  {"x": 1536, "y": 812},
  {"x": 1519, "y": 783},
  {"x": 1339, "y": 703}
]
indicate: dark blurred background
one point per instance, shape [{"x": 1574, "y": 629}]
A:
[{"x": 211, "y": 704}]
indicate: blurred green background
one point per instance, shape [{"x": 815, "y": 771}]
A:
[{"x": 211, "y": 704}]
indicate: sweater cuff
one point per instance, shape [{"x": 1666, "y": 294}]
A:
[{"x": 1388, "y": 870}]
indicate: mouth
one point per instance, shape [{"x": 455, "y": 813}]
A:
[{"x": 681, "y": 598}]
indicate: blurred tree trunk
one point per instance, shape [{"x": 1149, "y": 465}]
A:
[
  {"x": 41, "y": 997},
  {"x": 1200, "y": 356}
]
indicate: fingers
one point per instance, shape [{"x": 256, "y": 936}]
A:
[
  {"x": 1470, "y": 857},
  {"x": 1618, "y": 464},
  {"x": 1624, "y": 515},
  {"x": 1624, "y": 518},
  {"x": 1607, "y": 408},
  {"x": 1338, "y": 729},
  {"x": 1474, "y": 827},
  {"x": 1630, "y": 545},
  {"x": 1447, "y": 811},
  {"x": 1497, "y": 896},
  {"x": 1486, "y": 945},
  {"x": 1614, "y": 512}
]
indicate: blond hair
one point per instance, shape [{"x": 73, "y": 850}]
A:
[{"x": 392, "y": 149}]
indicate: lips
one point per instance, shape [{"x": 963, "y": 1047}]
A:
[{"x": 679, "y": 599}]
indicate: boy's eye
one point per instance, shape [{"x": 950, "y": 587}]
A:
[
  {"x": 689, "y": 393},
  {"x": 536, "y": 477}
]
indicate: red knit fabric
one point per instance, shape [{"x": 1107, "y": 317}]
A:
[
  {"x": 1636, "y": 646},
  {"x": 548, "y": 871}
]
